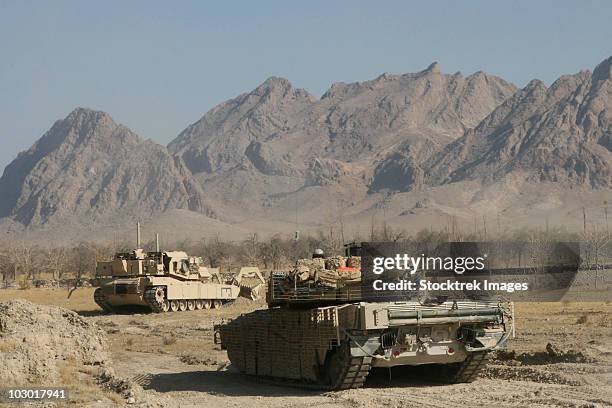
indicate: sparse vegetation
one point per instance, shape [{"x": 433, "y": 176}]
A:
[
  {"x": 80, "y": 380},
  {"x": 168, "y": 339},
  {"x": 24, "y": 284}
]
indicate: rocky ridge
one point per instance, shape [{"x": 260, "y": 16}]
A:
[{"x": 257, "y": 155}]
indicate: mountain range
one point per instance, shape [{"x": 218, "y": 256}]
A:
[{"x": 418, "y": 148}]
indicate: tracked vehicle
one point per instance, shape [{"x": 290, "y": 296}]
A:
[
  {"x": 169, "y": 281},
  {"x": 318, "y": 332}
]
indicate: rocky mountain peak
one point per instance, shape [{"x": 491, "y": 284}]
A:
[
  {"x": 275, "y": 89},
  {"x": 82, "y": 127},
  {"x": 275, "y": 82},
  {"x": 603, "y": 71},
  {"x": 87, "y": 164},
  {"x": 557, "y": 134},
  {"x": 535, "y": 85},
  {"x": 81, "y": 114},
  {"x": 433, "y": 68}
]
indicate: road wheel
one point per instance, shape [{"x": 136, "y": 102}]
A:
[
  {"x": 191, "y": 305},
  {"x": 160, "y": 294},
  {"x": 343, "y": 371},
  {"x": 207, "y": 304},
  {"x": 174, "y": 305},
  {"x": 165, "y": 306},
  {"x": 199, "y": 304},
  {"x": 182, "y": 305},
  {"x": 217, "y": 304}
]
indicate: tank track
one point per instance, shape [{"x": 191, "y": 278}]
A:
[
  {"x": 100, "y": 300},
  {"x": 351, "y": 374},
  {"x": 149, "y": 297},
  {"x": 469, "y": 369},
  {"x": 354, "y": 374}
]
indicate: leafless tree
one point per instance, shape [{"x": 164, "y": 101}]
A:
[
  {"x": 83, "y": 262},
  {"x": 252, "y": 249},
  {"x": 273, "y": 253},
  {"x": 56, "y": 260},
  {"x": 23, "y": 254}
]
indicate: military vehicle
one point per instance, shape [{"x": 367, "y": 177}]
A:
[
  {"x": 169, "y": 281},
  {"x": 318, "y": 332}
]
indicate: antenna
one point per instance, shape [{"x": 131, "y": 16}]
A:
[
  {"x": 138, "y": 235},
  {"x": 296, "y": 236}
]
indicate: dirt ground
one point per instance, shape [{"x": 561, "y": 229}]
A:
[{"x": 561, "y": 356}]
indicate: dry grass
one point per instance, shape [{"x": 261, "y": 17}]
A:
[
  {"x": 81, "y": 299},
  {"x": 169, "y": 339},
  {"x": 81, "y": 385},
  {"x": 541, "y": 322},
  {"x": 24, "y": 284}
]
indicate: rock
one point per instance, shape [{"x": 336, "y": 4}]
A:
[{"x": 552, "y": 350}]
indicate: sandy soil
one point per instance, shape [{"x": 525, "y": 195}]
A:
[
  {"x": 561, "y": 357},
  {"x": 194, "y": 372}
]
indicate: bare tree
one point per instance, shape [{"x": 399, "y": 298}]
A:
[
  {"x": 56, "y": 260},
  {"x": 273, "y": 253},
  {"x": 251, "y": 249},
  {"x": 23, "y": 255},
  {"x": 7, "y": 266},
  {"x": 83, "y": 261}
]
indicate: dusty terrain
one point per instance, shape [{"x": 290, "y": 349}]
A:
[{"x": 560, "y": 357}]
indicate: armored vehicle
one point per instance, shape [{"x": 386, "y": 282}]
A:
[
  {"x": 169, "y": 281},
  {"x": 318, "y": 331}
]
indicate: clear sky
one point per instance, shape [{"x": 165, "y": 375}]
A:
[{"x": 159, "y": 66}]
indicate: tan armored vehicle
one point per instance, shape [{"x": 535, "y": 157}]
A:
[
  {"x": 169, "y": 281},
  {"x": 318, "y": 333}
]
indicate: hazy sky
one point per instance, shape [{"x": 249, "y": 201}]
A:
[{"x": 159, "y": 66}]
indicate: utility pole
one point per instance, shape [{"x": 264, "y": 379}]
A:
[
  {"x": 606, "y": 216},
  {"x": 484, "y": 226}
]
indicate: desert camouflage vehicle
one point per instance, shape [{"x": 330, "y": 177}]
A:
[
  {"x": 319, "y": 333},
  {"x": 169, "y": 281}
]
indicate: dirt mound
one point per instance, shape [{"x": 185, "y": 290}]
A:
[
  {"x": 207, "y": 360},
  {"x": 553, "y": 355},
  {"x": 128, "y": 389},
  {"x": 538, "y": 366},
  {"x": 37, "y": 342},
  {"x": 527, "y": 373}
]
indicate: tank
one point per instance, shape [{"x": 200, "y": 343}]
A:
[
  {"x": 318, "y": 332},
  {"x": 169, "y": 281}
]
